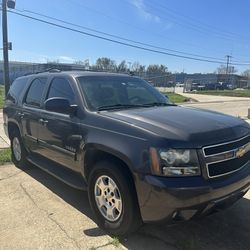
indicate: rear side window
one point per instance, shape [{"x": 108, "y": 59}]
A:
[
  {"x": 60, "y": 87},
  {"x": 35, "y": 92},
  {"x": 16, "y": 89}
]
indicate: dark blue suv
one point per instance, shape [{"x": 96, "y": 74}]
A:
[{"x": 141, "y": 158}]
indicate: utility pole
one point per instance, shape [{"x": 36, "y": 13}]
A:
[
  {"x": 6, "y": 77},
  {"x": 228, "y": 61},
  {"x": 5, "y": 4}
]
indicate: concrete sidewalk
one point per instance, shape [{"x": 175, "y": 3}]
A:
[
  {"x": 4, "y": 140},
  {"x": 39, "y": 212}
]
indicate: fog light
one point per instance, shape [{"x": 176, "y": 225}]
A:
[{"x": 179, "y": 171}]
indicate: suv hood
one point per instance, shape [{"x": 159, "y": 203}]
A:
[{"x": 196, "y": 127}]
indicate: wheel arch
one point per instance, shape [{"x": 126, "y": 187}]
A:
[
  {"x": 96, "y": 153},
  {"x": 12, "y": 126}
]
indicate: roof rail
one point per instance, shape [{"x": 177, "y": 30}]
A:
[
  {"x": 53, "y": 70},
  {"x": 50, "y": 70}
]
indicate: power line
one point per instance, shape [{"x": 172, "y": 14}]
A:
[
  {"x": 114, "y": 41},
  {"x": 194, "y": 22},
  {"x": 119, "y": 42},
  {"x": 187, "y": 23},
  {"x": 131, "y": 25},
  {"x": 115, "y": 36},
  {"x": 85, "y": 7}
]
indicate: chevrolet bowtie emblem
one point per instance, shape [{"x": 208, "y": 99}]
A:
[{"x": 240, "y": 152}]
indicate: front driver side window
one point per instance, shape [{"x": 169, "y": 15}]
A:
[{"x": 60, "y": 87}]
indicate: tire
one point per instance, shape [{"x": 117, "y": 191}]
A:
[
  {"x": 121, "y": 222},
  {"x": 20, "y": 158}
]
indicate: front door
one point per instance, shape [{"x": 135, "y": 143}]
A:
[{"x": 59, "y": 133}]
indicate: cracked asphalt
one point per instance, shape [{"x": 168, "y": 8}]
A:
[{"x": 39, "y": 212}]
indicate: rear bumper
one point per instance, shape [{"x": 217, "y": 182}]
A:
[{"x": 162, "y": 198}]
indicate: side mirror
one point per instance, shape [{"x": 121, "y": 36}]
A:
[{"x": 60, "y": 105}]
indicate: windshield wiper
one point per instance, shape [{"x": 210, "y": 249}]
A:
[
  {"x": 118, "y": 106},
  {"x": 151, "y": 104}
]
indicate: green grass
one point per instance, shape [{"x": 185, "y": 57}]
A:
[
  {"x": 93, "y": 248},
  {"x": 115, "y": 242},
  {"x": 2, "y": 97},
  {"x": 237, "y": 93},
  {"x": 5, "y": 155},
  {"x": 176, "y": 98}
]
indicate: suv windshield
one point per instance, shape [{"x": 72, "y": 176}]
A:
[{"x": 112, "y": 92}]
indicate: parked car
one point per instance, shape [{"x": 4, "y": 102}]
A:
[{"x": 141, "y": 158}]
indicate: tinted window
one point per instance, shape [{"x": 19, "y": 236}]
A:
[
  {"x": 35, "y": 93},
  {"x": 60, "y": 87},
  {"x": 101, "y": 91},
  {"x": 16, "y": 89}
]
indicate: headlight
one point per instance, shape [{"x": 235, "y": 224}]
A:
[{"x": 174, "y": 162}]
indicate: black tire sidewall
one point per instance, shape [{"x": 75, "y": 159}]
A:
[{"x": 127, "y": 221}]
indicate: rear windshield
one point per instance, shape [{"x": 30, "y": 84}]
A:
[{"x": 101, "y": 91}]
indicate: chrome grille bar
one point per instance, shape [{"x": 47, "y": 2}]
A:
[{"x": 229, "y": 155}]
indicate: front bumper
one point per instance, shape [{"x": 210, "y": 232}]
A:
[{"x": 164, "y": 198}]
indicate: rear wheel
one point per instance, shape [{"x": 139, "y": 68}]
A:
[
  {"x": 18, "y": 150},
  {"x": 113, "y": 199}
]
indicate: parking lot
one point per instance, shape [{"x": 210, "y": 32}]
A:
[{"x": 39, "y": 212}]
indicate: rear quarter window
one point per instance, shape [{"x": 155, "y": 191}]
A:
[{"x": 16, "y": 89}]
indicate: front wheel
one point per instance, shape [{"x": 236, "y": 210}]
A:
[{"x": 113, "y": 199}]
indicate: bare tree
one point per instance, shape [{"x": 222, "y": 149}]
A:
[
  {"x": 222, "y": 69},
  {"x": 246, "y": 73},
  {"x": 122, "y": 67},
  {"x": 105, "y": 64}
]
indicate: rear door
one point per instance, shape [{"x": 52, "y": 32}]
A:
[
  {"x": 30, "y": 113},
  {"x": 59, "y": 133}
]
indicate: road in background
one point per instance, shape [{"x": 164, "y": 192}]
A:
[{"x": 236, "y": 106}]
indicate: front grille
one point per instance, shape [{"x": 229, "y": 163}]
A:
[
  {"x": 226, "y": 158},
  {"x": 220, "y": 168},
  {"x": 224, "y": 147}
]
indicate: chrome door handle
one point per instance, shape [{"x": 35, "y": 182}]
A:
[
  {"x": 43, "y": 121},
  {"x": 20, "y": 114}
]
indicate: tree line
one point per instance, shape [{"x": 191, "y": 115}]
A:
[{"x": 107, "y": 64}]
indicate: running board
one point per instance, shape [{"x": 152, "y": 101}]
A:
[{"x": 65, "y": 175}]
